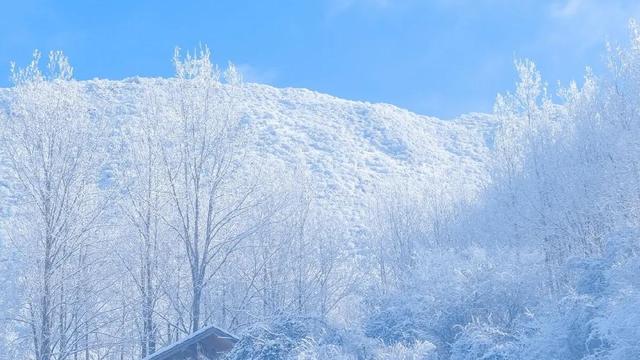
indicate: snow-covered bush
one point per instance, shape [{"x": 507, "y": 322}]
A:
[
  {"x": 484, "y": 341},
  {"x": 457, "y": 290},
  {"x": 563, "y": 330},
  {"x": 311, "y": 350},
  {"x": 301, "y": 337},
  {"x": 400, "y": 318},
  {"x": 618, "y": 321},
  {"x": 278, "y": 339},
  {"x": 420, "y": 350},
  {"x": 619, "y": 325}
]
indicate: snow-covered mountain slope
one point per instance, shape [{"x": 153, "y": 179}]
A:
[{"x": 349, "y": 149}]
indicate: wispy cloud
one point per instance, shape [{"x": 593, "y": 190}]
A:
[
  {"x": 339, "y": 6},
  {"x": 565, "y": 9},
  {"x": 253, "y": 74},
  {"x": 588, "y": 23}
]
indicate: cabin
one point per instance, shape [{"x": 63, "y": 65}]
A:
[{"x": 207, "y": 343}]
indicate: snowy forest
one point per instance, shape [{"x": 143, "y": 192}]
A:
[{"x": 130, "y": 222}]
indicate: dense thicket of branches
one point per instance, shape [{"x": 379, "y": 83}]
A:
[{"x": 119, "y": 238}]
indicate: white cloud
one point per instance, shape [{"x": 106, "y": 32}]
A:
[
  {"x": 566, "y": 8},
  {"x": 253, "y": 74},
  {"x": 339, "y": 6},
  {"x": 584, "y": 25},
  {"x": 594, "y": 11}
]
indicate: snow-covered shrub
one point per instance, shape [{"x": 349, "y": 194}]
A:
[
  {"x": 563, "y": 330},
  {"x": 400, "y": 318},
  {"x": 299, "y": 337},
  {"x": 459, "y": 291},
  {"x": 619, "y": 325},
  {"x": 484, "y": 341},
  {"x": 588, "y": 276},
  {"x": 597, "y": 318},
  {"x": 275, "y": 340},
  {"x": 618, "y": 322},
  {"x": 420, "y": 350},
  {"x": 311, "y": 350}
]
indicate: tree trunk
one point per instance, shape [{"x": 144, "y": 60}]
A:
[
  {"x": 195, "y": 305},
  {"x": 45, "y": 303}
]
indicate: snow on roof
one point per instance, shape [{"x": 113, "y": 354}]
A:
[{"x": 224, "y": 342}]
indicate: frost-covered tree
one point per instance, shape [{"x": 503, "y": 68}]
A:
[
  {"x": 54, "y": 161},
  {"x": 202, "y": 162},
  {"x": 143, "y": 201}
]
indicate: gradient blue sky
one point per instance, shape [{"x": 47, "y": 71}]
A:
[{"x": 439, "y": 57}]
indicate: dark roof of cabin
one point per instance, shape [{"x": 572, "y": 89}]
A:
[{"x": 212, "y": 338}]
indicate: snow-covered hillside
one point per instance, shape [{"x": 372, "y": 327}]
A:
[{"x": 347, "y": 149}]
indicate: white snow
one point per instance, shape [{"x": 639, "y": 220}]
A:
[{"x": 348, "y": 149}]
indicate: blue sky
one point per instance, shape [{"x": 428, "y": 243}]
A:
[{"x": 439, "y": 57}]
